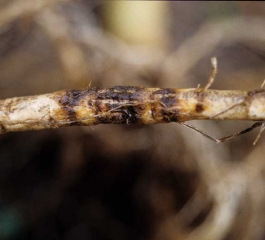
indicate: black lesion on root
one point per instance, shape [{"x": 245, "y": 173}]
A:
[
  {"x": 114, "y": 118},
  {"x": 199, "y": 108},
  {"x": 169, "y": 115},
  {"x": 168, "y": 97},
  {"x": 68, "y": 101},
  {"x": 121, "y": 93},
  {"x": 200, "y": 95},
  {"x": 131, "y": 114},
  {"x": 121, "y": 115},
  {"x": 123, "y": 106},
  {"x": 167, "y": 105}
]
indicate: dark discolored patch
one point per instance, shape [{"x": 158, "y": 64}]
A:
[
  {"x": 138, "y": 95},
  {"x": 168, "y": 97},
  {"x": 115, "y": 119},
  {"x": 90, "y": 103},
  {"x": 120, "y": 93},
  {"x": 131, "y": 115},
  {"x": 169, "y": 115},
  {"x": 200, "y": 95},
  {"x": 72, "y": 97},
  {"x": 119, "y": 114},
  {"x": 124, "y": 114},
  {"x": 165, "y": 91},
  {"x": 68, "y": 101},
  {"x": 199, "y": 107},
  {"x": 97, "y": 108}
]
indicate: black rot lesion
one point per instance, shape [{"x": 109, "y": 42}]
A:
[
  {"x": 124, "y": 104},
  {"x": 121, "y": 93},
  {"x": 68, "y": 101},
  {"x": 167, "y": 97},
  {"x": 120, "y": 114},
  {"x": 199, "y": 108},
  {"x": 200, "y": 96},
  {"x": 168, "y": 100},
  {"x": 113, "y": 118},
  {"x": 170, "y": 115},
  {"x": 72, "y": 98},
  {"x": 132, "y": 115}
]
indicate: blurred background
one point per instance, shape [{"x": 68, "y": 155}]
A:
[{"x": 159, "y": 182}]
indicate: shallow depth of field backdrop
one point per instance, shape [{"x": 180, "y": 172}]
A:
[{"x": 110, "y": 182}]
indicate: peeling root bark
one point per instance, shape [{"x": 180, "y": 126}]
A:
[{"x": 128, "y": 105}]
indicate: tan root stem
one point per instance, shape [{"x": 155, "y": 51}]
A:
[{"x": 129, "y": 105}]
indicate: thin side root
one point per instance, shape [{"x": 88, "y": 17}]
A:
[
  {"x": 213, "y": 73},
  {"x": 223, "y": 139},
  {"x": 262, "y": 128},
  {"x": 199, "y": 131},
  {"x": 255, "y": 125}
]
